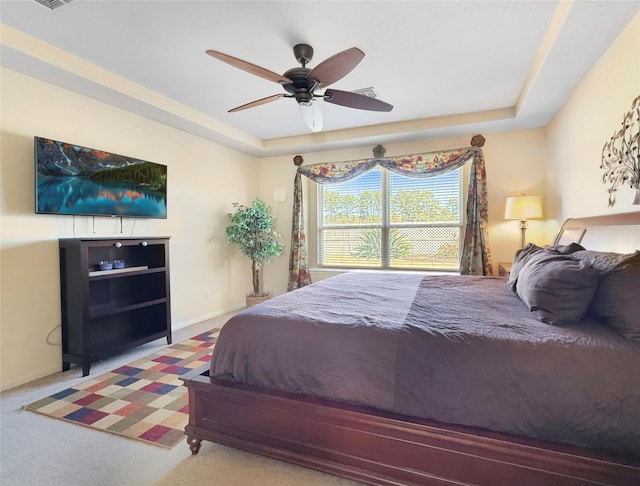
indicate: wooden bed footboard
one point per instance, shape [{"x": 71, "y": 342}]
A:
[{"x": 372, "y": 447}]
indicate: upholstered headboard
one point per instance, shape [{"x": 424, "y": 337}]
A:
[{"x": 618, "y": 233}]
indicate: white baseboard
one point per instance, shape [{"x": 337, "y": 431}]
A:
[
  {"x": 25, "y": 379},
  {"x": 197, "y": 320},
  {"x": 29, "y": 377}
]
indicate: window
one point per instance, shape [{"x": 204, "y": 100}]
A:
[{"x": 384, "y": 220}]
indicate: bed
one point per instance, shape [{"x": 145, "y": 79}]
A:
[{"x": 412, "y": 379}]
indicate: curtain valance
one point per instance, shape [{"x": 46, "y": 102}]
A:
[{"x": 417, "y": 165}]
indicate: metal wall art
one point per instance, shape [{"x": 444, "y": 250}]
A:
[{"x": 621, "y": 155}]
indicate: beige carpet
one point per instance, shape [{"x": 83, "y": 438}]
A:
[{"x": 36, "y": 450}]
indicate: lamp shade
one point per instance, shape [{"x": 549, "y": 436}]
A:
[{"x": 523, "y": 208}]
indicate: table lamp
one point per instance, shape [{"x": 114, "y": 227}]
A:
[{"x": 523, "y": 208}]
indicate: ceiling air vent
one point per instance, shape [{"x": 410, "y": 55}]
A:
[
  {"x": 370, "y": 92},
  {"x": 56, "y": 4}
]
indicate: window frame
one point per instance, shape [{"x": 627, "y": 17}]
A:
[{"x": 385, "y": 226}]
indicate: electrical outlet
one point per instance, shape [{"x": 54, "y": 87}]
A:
[{"x": 206, "y": 294}]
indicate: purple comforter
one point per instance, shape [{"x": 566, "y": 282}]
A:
[{"x": 456, "y": 349}]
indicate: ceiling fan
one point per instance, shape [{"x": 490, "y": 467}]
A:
[{"x": 307, "y": 85}]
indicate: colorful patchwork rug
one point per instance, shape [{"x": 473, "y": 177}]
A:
[{"x": 143, "y": 400}]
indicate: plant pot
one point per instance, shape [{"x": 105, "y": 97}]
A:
[{"x": 252, "y": 300}]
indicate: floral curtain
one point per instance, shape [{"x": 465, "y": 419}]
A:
[
  {"x": 475, "y": 258},
  {"x": 298, "y": 261}
]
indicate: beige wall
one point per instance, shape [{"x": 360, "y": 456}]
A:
[
  {"x": 588, "y": 119},
  {"x": 208, "y": 277}
]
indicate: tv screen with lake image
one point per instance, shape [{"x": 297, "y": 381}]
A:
[{"x": 76, "y": 180}]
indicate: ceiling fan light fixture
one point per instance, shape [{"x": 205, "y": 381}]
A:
[
  {"x": 311, "y": 115},
  {"x": 308, "y": 85}
]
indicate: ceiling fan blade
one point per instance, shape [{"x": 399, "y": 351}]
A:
[
  {"x": 336, "y": 67},
  {"x": 259, "y": 102},
  {"x": 251, "y": 68},
  {"x": 355, "y": 100}
]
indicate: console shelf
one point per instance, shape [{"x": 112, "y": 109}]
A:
[
  {"x": 119, "y": 307},
  {"x": 115, "y": 271},
  {"x": 105, "y": 312}
]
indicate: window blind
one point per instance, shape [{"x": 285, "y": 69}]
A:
[{"x": 385, "y": 220}]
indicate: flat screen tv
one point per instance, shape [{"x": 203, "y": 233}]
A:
[{"x": 76, "y": 180}]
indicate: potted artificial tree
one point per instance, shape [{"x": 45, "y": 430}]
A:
[{"x": 251, "y": 228}]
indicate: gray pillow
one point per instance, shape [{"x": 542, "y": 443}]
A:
[
  {"x": 557, "y": 288},
  {"x": 617, "y": 299},
  {"x": 523, "y": 255},
  {"x": 603, "y": 262}
]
